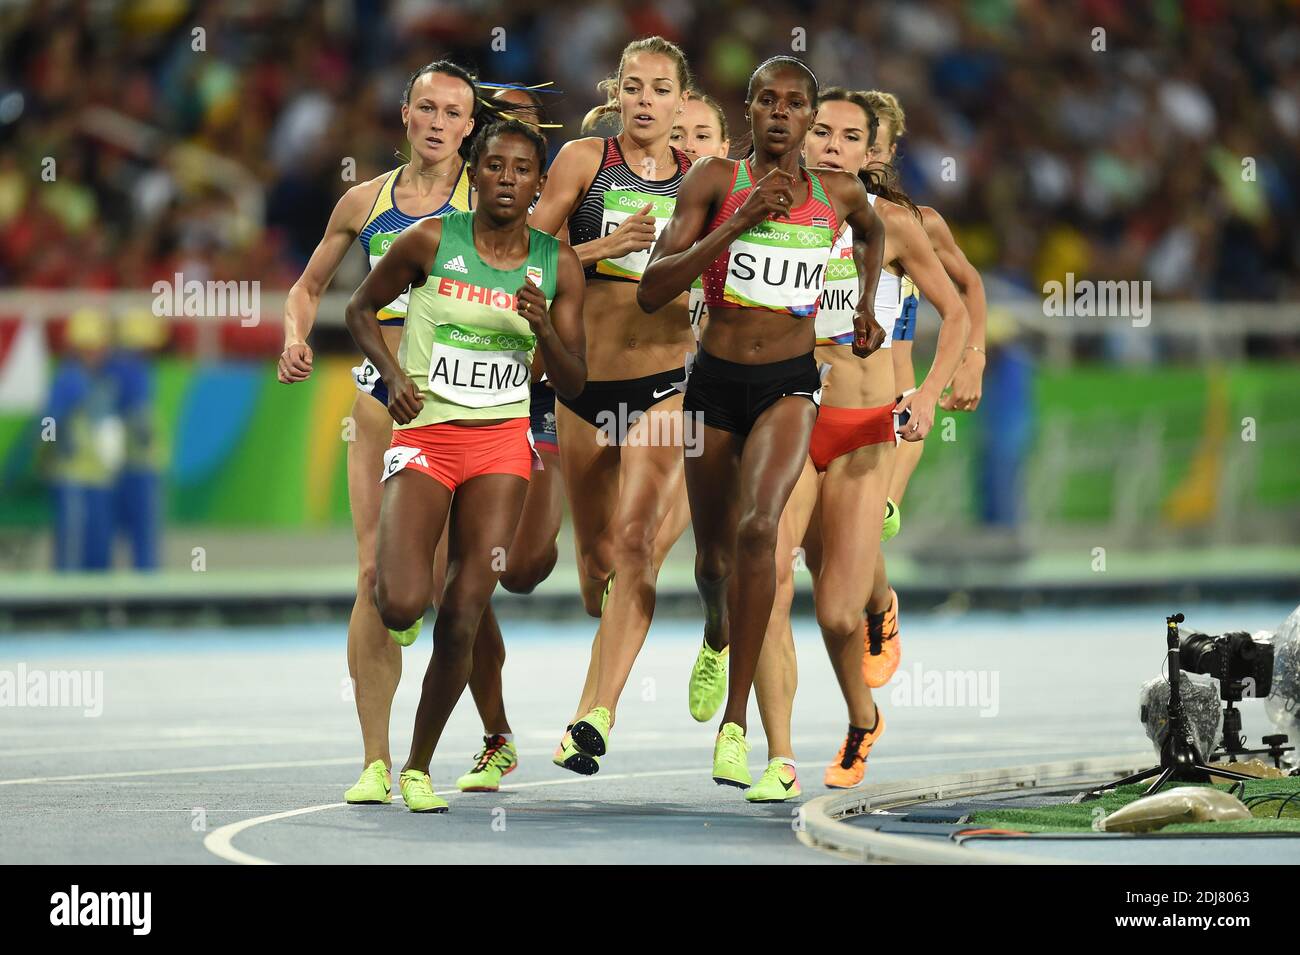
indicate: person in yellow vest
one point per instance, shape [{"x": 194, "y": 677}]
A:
[
  {"x": 138, "y": 491},
  {"x": 86, "y": 445}
]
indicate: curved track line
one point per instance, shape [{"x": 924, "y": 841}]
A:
[{"x": 219, "y": 841}]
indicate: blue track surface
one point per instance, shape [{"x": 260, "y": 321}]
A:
[{"x": 204, "y": 728}]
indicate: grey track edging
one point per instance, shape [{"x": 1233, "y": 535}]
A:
[{"x": 824, "y": 829}]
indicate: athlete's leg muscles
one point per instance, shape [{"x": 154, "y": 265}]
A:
[
  {"x": 674, "y": 524},
  {"x": 411, "y": 520},
  {"x": 590, "y": 472},
  {"x": 650, "y": 481},
  {"x": 880, "y": 598},
  {"x": 485, "y": 677},
  {"x": 777, "y": 676},
  {"x": 533, "y": 553},
  {"x": 530, "y": 560},
  {"x": 908, "y": 457},
  {"x": 770, "y": 465},
  {"x": 712, "y": 480},
  {"x": 812, "y": 540},
  {"x": 853, "y": 506},
  {"x": 591, "y": 484},
  {"x": 489, "y": 652},
  {"x": 374, "y": 660},
  {"x": 484, "y": 514}
]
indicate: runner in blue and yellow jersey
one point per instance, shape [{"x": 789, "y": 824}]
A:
[{"x": 440, "y": 110}]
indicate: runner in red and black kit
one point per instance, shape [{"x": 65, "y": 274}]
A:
[{"x": 760, "y": 231}]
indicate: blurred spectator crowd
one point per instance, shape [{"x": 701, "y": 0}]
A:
[{"x": 214, "y": 138}]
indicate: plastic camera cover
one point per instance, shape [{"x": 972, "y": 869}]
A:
[
  {"x": 1200, "y": 707},
  {"x": 1282, "y": 706}
]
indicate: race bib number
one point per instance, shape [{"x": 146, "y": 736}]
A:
[
  {"x": 477, "y": 368},
  {"x": 366, "y": 376},
  {"x": 395, "y": 459},
  {"x": 778, "y": 266},
  {"x": 696, "y": 308},
  {"x": 619, "y": 204},
  {"x": 839, "y": 299}
]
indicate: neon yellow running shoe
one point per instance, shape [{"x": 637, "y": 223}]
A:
[
  {"x": 568, "y": 756},
  {"x": 708, "y": 687},
  {"x": 731, "y": 757},
  {"x": 591, "y": 733},
  {"x": 404, "y": 638},
  {"x": 418, "y": 794},
  {"x": 375, "y": 785},
  {"x": 497, "y": 758},
  {"x": 778, "y": 783},
  {"x": 893, "y": 520}
]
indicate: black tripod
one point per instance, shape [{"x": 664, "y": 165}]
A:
[
  {"x": 1180, "y": 760},
  {"x": 1234, "y": 743}
]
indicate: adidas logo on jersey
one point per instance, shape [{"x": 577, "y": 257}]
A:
[{"x": 456, "y": 265}]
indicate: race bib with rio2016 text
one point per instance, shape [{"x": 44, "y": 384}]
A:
[
  {"x": 478, "y": 368},
  {"x": 778, "y": 266},
  {"x": 619, "y": 205}
]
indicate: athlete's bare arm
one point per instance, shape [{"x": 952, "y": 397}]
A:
[
  {"x": 304, "y": 297},
  {"x": 967, "y": 382},
  {"x": 406, "y": 264},
  {"x": 868, "y": 255},
  {"x": 917, "y": 258},
  {"x": 566, "y": 183},
  {"x": 574, "y": 167},
  {"x": 560, "y": 336}
]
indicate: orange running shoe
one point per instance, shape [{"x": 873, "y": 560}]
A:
[
  {"x": 851, "y": 761},
  {"x": 884, "y": 648}
]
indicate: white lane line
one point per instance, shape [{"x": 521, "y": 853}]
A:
[
  {"x": 340, "y": 740},
  {"x": 348, "y": 740},
  {"x": 923, "y": 758},
  {"x": 219, "y": 841},
  {"x": 179, "y": 771},
  {"x": 352, "y": 760},
  {"x": 141, "y": 729}
]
